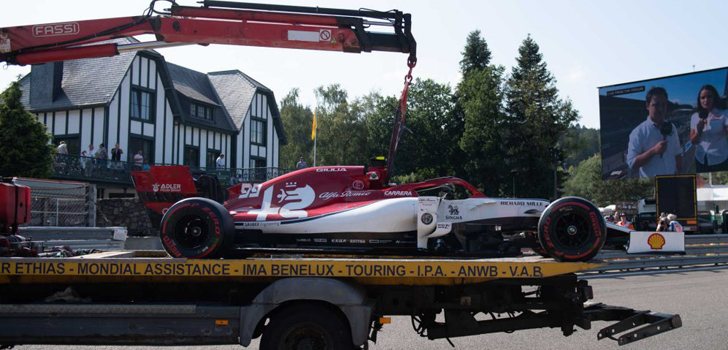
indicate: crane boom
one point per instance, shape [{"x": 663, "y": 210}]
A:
[{"x": 215, "y": 22}]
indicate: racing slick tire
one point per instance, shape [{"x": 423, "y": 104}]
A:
[
  {"x": 307, "y": 326},
  {"x": 197, "y": 228},
  {"x": 572, "y": 229}
]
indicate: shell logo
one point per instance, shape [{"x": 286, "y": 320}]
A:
[{"x": 656, "y": 241}]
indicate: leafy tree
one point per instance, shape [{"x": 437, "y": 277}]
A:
[
  {"x": 342, "y": 132},
  {"x": 480, "y": 97},
  {"x": 537, "y": 121},
  {"x": 429, "y": 118},
  {"x": 297, "y": 121},
  {"x": 479, "y": 110},
  {"x": 585, "y": 181},
  {"x": 25, "y": 148},
  {"x": 379, "y": 112},
  {"x": 579, "y": 143}
]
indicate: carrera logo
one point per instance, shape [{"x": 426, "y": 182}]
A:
[
  {"x": 398, "y": 193},
  {"x": 56, "y": 29},
  {"x": 166, "y": 187}
]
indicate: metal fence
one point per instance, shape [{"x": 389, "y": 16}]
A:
[
  {"x": 61, "y": 203},
  {"x": 71, "y": 167}
]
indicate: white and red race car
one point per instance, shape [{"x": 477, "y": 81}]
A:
[{"x": 350, "y": 209}]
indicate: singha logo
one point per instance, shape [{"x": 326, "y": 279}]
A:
[
  {"x": 453, "y": 213},
  {"x": 453, "y": 209},
  {"x": 155, "y": 187}
]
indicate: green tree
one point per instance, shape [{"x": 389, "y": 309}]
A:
[
  {"x": 537, "y": 121},
  {"x": 429, "y": 144},
  {"x": 579, "y": 143},
  {"x": 379, "y": 113},
  {"x": 476, "y": 54},
  {"x": 25, "y": 148},
  {"x": 297, "y": 121},
  {"x": 585, "y": 181},
  {"x": 479, "y": 111},
  {"x": 342, "y": 132}
]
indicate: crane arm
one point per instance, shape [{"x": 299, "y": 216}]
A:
[{"x": 215, "y": 22}]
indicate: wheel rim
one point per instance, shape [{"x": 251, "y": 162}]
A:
[
  {"x": 572, "y": 230},
  {"x": 191, "y": 231},
  {"x": 308, "y": 337}
]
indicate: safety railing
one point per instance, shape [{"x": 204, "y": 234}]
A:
[{"x": 68, "y": 167}]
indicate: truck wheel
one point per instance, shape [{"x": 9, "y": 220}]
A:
[
  {"x": 305, "y": 326},
  {"x": 572, "y": 229},
  {"x": 197, "y": 228}
]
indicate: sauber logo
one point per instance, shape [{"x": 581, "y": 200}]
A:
[
  {"x": 656, "y": 241},
  {"x": 56, "y": 29},
  {"x": 166, "y": 187}
]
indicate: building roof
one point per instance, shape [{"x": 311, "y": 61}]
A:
[
  {"x": 228, "y": 93},
  {"x": 80, "y": 84},
  {"x": 236, "y": 90}
]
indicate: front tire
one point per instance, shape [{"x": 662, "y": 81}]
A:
[
  {"x": 197, "y": 228},
  {"x": 306, "y": 326},
  {"x": 572, "y": 229}
]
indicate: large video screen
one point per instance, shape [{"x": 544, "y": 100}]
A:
[{"x": 665, "y": 126}]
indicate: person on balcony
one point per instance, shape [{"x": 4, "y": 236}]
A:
[
  {"x": 301, "y": 163},
  {"x": 138, "y": 160},
  {"x": 116, "y": 153},
  {"x": 220, "y": 161}
]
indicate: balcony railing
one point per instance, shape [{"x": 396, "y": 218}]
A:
[{"x": 68, "y": 167}]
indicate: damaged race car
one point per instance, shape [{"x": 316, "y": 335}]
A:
[{"x": 352, "y": 209}]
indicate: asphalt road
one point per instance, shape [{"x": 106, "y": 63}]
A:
[{"x": 700, "y": 297}]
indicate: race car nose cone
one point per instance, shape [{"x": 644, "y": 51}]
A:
[{"x": 571, "y": 230}]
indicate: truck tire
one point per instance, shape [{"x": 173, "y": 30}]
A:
[
  {"x": 306, "y": 326},
  {"x": 197, "y": 228},
  {"x": 572, "y": 229}
]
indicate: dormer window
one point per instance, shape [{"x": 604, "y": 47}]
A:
[{"x": 200, "y": 111}]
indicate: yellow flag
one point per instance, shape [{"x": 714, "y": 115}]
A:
[{"x": 313, "y": 129}]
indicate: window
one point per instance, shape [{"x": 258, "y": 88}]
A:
[
  {"x": 257, "y": 131},
  {"x": 142, "y": 104},
  {"x": 200, "y": 111},
  {"x": 192, "y": 156},
  {"x": 212, "y": 155},
  {"x": 137, "y": 144},
  {"x": 257, "y": 162}
]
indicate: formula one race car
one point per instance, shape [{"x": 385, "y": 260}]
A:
[{"x": 351, "y": 209}]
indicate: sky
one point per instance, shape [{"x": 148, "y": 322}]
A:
[{"x": 586, "y": 44}]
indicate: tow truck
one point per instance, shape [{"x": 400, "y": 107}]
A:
[{"x": 290, "y": 300}]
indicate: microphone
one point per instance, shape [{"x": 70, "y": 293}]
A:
[
  {"x": 665, "y": 130},
  {"x": 702, "y": 114}
]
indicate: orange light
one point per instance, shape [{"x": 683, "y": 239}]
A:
[
  {"x": 385, "y": 320},
  {"x": 221, "y": 323}
]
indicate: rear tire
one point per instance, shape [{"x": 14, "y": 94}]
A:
[
  {"x": 306, "y": 326},
  {"x": 572, "y": 229},
  {"x": 197, "y": 228}
]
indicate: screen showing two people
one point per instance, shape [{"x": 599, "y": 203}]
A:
[{"x": 665, "y": 126}]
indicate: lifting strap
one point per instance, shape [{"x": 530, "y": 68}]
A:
[{"x": 399, "y": 119}]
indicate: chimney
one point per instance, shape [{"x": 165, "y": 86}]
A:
[{"x": 45, "y": 82}]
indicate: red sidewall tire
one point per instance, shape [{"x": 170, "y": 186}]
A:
[
  {"x": 572, "y": 229},
  {"x": 197, "y": 228}
]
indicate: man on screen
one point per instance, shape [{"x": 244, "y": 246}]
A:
[{"x": 654, "y": 146}]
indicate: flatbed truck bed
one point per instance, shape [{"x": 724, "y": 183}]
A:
[{"x": 326, "y": 302}]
